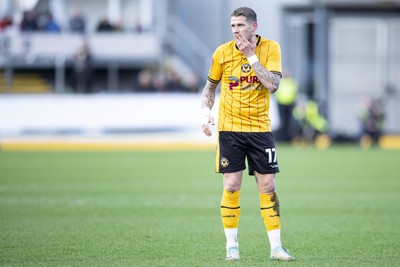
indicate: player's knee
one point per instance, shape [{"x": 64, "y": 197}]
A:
[
  {"x": 267, "y": 188},
  {"x": 232, "y": 187},
  {"x": 232, "y": 181},
  {"x": 265, "y": 183}
]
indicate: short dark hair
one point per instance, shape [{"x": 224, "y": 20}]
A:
[{"x": 246, "y": 12}]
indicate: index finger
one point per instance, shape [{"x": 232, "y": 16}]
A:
[{"x": 241, "y": 38}]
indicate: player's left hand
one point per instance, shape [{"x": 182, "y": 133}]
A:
[{"x": 245, "y": 46}]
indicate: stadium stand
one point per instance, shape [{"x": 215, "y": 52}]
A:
[
  {"x": 37, "y": 51},
  {"x": 123, "y": 49}
]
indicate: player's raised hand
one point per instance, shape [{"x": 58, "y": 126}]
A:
[{"x": 247, "y": 47}]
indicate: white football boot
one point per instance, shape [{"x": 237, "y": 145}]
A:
[
  {"x": 281, "y": 254},
  {"x": 232, "y": 254}
]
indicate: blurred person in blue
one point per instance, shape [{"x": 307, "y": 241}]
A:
[
  {"x": 249, "y": 69},
  {"x": 77, "y": 22},
  {"x": 52, "y": 25},
  {"x": 47, "y": 23}
]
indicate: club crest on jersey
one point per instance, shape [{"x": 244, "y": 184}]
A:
[
  {"x": 224, "y": 162},
  {"x": 246, "y": 68}
]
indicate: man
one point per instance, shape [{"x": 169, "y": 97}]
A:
[
  {"x": 286, "y": 97},
  {"x": 249, "y": 69}
]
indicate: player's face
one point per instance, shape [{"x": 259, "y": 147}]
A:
[{"x": 240, "y": 25}]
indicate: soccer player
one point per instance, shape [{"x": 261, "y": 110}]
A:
[{"x": 249, "y": 69}]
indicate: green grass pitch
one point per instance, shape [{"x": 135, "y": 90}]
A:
[{"x": 339, "y": 207}]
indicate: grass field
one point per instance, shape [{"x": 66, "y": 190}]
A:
[{"x": 340, "y": 207}]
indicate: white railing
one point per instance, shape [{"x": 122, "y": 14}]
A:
[{"x": 29, "y": 48}]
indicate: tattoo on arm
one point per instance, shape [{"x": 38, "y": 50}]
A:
[
  {"x": 269, "y": 79},
  {"x": 208, "y": 96}
]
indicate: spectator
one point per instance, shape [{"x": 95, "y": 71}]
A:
[
  {"x": 5, "y": 22},
  {"x": 174, "y": 82},
  {"x": 144, "y": 81},
  {"x": 29, "y": 21},
  {"x": 82, "y": 69},
  {"x": 77, "y": 22},
  {"x": 118, "y": 26},
  {"x": 311, "y": 122},
  {"x": 104, "y": 26},
  {"x": 286, "y": 97},
  {"x": 138, "y": 28},
  {"x": 50, "y": 24},
  {"x": 159, "y": 83},
  {"x": 371, "y": 116}
]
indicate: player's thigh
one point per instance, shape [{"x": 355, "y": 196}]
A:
[
  {"x": 261, "y": 154},
  {"x": 231, "y": 153}
]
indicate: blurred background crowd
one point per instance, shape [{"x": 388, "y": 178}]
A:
[
  {"x": 113, "y": 46},
  {"x": 340, "y": 58}
]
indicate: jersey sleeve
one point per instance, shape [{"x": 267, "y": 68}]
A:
[
  {"x": 274, "y": 60},
  {"x": 215, "y": 72}
]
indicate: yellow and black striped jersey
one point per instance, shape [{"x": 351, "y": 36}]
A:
[{"x": 244, "y": 101}]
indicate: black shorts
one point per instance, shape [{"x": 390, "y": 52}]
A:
[{"x": 234, "y": 147}]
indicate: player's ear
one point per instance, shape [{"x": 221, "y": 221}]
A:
[{"x": 254, "y": 27}]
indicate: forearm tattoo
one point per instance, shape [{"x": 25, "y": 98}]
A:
[
  {"x": 269, "y": 79},
  {"x": 208, "y": 96}
]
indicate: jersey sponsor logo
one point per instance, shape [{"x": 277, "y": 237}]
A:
[
  {"x": 252, "y": 87},
  {"x": 246, "y": 82},
  {"x": 233, "y": 82},
  {"x": 249, "y": 79}
]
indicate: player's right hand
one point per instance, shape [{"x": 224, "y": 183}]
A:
[{"x": 206, "y": 120}]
